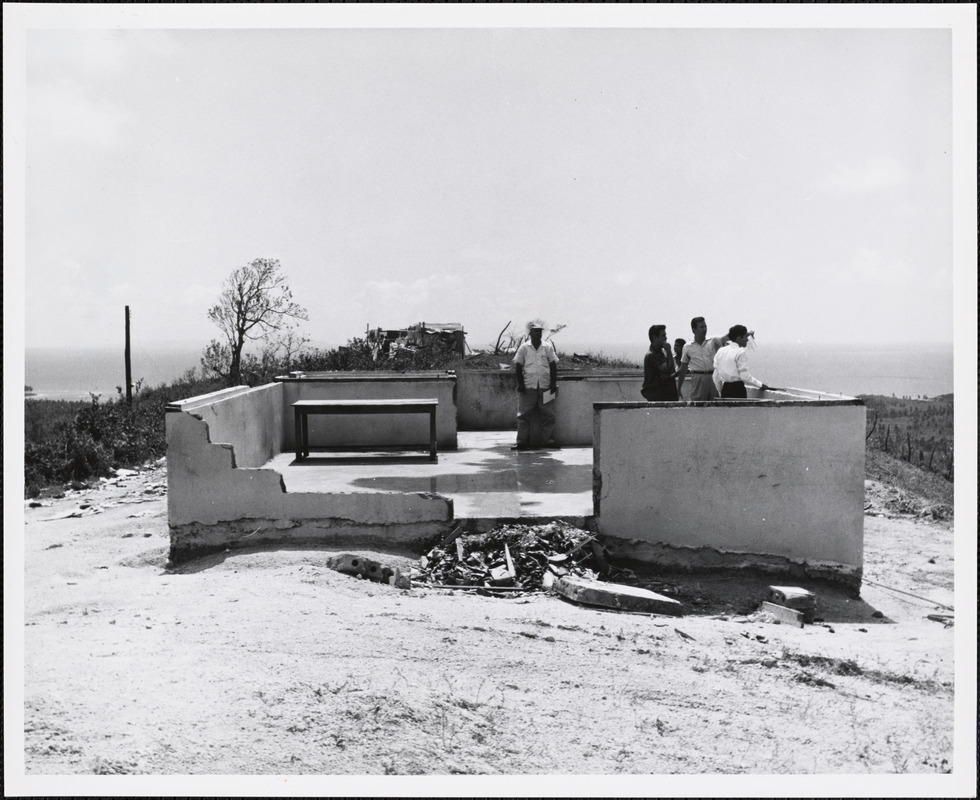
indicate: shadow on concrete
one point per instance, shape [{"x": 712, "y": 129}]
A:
[
  {"x": 536, "y": 473},
  {"x": 320, "y": 460}
]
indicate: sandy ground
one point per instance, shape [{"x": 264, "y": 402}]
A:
[{"x": 270, "y": 663}]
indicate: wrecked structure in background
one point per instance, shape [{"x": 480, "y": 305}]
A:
[{"x": 414, "y": 337}]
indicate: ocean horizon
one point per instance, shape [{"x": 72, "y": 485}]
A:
[{"x": 881, "y": 369}]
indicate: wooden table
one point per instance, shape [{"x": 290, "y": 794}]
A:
[{"x": 302, "y": 409}]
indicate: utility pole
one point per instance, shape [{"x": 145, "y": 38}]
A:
[{"x": 129, "y": 370}]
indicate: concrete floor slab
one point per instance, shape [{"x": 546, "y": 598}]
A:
[{"x": 484, "y": 477}]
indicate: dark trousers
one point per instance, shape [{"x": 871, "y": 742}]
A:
[
  {"x": 733, "y": 390},
  {"x": 531, "y": 408}
]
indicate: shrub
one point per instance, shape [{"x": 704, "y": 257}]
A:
[
  {"x": 358, "y": 354},
  {"x": 75, "y": 441}
]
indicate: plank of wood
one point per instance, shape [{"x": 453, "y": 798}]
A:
[
  {"x": 473, "y": 588},
  {"x": 451, "y": 536}
]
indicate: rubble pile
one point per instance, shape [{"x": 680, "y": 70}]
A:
[{"x": 514, "y": 557}]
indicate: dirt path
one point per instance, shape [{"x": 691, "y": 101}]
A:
[{"x": 270, "y": 663}]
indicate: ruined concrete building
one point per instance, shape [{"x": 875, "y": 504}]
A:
[
  {"x": 422, "y": 334},
  {"x": 774, "y": 482}
]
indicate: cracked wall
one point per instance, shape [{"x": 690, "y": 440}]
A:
[{"x": 220, "y": 497}]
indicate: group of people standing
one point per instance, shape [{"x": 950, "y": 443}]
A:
[{"x": 718, "y": 366}]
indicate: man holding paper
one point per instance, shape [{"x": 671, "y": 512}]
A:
[{"x": 536, "y": 364}]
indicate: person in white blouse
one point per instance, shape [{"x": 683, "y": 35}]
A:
[{"x": 731, "y": 373}]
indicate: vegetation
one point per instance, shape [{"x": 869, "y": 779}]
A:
[
  {"x": 74, "y": 441},
  {"x": 256, "y": 304},
  {"x": 359, "y": 354},
  {"x": 70, "y": 441},
  {"x": 600, "y": 359},
  {"x": 919, "y": 432}
]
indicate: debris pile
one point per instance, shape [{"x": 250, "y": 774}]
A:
[{"x": 515, "y": 558}]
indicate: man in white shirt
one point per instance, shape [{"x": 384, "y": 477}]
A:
[
  {"x": 731, "y": 366},
  {"x": 536, "y": 364},
  {"x": 698, "y": 361}
]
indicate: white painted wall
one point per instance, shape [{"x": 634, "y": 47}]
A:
[
  {"x": 487, "y": 400},
  {"x": 250, "y": 420},
  {"x": 373, "y": 429},
  {"x": 218, "y": 499},
  {"x": 779, "y": 479}
]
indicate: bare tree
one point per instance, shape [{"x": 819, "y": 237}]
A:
[
  {"x": 873, "y": 426},
  {"x": 496, "y": 347},
  {"x": 255, "y": 302}
]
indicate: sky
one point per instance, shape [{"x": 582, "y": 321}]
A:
[{"x": 799, "y": 181}]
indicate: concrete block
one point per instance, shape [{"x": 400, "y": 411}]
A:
[
  {"x": 788, "y": 615},
  {"x": 794, "y": 597},
  {"x": 616, "y": 596}
]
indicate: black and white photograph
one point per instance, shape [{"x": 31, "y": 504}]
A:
[{"x": 490, "y": 400}]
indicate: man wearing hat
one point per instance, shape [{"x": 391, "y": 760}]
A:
[{"x": 536, "y": 364}]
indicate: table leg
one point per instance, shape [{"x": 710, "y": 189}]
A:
[
  {"x": 306, "y": 435},
  {"x": 298, "y": 433},
  {"x": 432, "y": 436}
]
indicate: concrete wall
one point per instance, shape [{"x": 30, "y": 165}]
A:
[
  {"x": 215, "y": 501},
  {"x": 777, "y": 484},
  {"x": 248, "y": 420},
  {"x": 487, "y": 400},
  {"x": 373, "y": 429}
]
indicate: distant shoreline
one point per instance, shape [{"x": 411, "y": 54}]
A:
[{"x": 870, "y": 369}]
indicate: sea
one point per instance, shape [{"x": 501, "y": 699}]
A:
[{"x": 894, "y": 369}]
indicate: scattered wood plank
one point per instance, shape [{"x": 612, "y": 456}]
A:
[
  {"x": 473, "y": 588},
  {"x": 450, "y": 537}
]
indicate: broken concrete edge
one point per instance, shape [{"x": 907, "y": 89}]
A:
[
  {"x": 643, "y": 556},
  {"x": 358, "y": 566},
  {"x": 206, "y": 399},
  {"x": 616, "y": 597},
  {"x": 281, "y": 479},
  {"x": 367, "y": 376},
  {"x": 193, "y": 541},
  {"x": 831, "y": 400}
]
